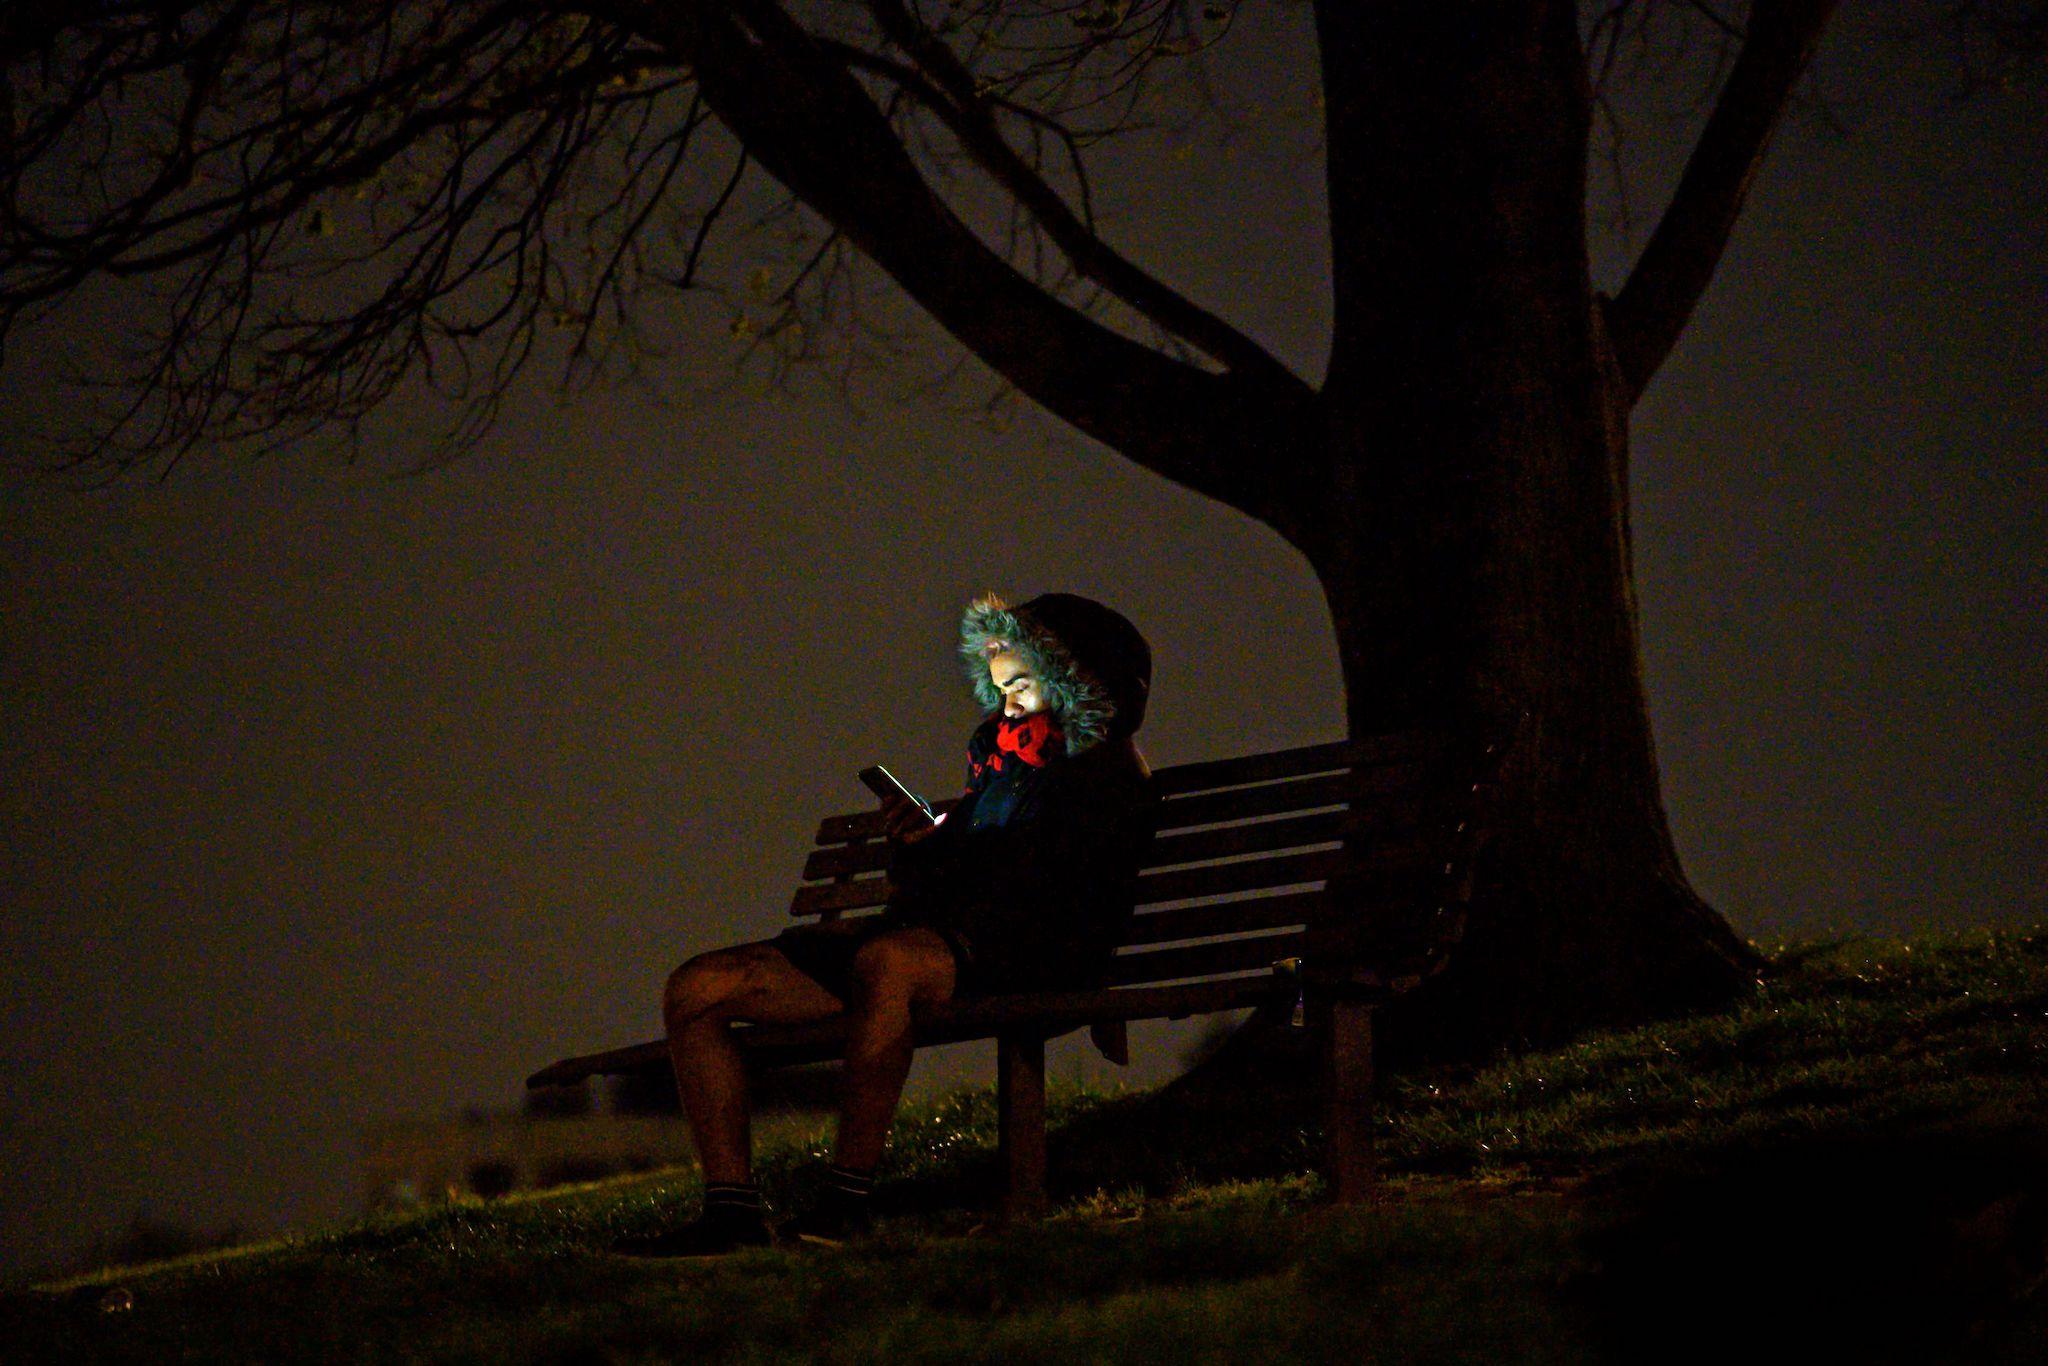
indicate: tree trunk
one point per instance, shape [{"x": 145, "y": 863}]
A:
[{"x": 1477, "y": 546}]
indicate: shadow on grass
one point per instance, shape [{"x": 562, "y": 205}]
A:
[{"x": 1888, "y": 1245}]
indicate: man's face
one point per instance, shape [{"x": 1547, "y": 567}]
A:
[{"x": 1021, "y": 695}]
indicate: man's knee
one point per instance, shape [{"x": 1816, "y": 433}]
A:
[
  {"x": 909, "y": 965},
  {"x": 705, "y": 984}
]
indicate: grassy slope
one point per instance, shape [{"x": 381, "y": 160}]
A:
[{"x": 1856, "y": 1158}]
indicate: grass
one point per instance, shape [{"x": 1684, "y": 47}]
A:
[
  {"x": 1853, "y": 1165},
  {"x": 1868, "y": 1033}
]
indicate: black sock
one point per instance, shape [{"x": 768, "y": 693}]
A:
[{"x": 737, "y": 1200}]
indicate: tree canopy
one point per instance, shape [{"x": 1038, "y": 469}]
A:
[{"x": 331, "y": 198}]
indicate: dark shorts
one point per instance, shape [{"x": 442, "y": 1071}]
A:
[{"x": 825, "y": 953}]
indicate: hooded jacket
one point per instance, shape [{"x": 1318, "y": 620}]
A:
[{"x": 1030, "y": 876}]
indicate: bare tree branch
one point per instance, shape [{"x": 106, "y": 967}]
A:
[
  {"x": 1646, "y": 317},
  {"x": 799, "y": 111},
  {"x": 326, "y": 199},
  {"x": 951, "y": 93}
]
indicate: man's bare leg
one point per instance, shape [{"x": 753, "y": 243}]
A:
[
  {"x": 751, "y": 982},
  {"x": 892, "y": 973}
]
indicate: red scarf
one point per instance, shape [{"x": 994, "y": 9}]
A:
[{"x": 1034, "y": 739}]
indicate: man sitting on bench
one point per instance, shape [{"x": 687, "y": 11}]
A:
[{"x": 1025, "y": 885}]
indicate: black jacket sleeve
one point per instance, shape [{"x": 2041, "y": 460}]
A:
[
  {"x": 1047, "y": 894},
  {"x": 934, "y": 860}
]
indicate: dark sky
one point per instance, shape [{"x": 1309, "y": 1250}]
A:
[{"x": 328, "y": 798}]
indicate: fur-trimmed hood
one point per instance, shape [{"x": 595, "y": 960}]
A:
[{"x": 1093, "y": 666}]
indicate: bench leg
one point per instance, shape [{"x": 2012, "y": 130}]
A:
[
  {"x": 1020, "y": 1116},
  {"x": 1348, "y": 1087}
]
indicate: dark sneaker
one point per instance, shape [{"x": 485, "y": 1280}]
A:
[
  {"x": 830, "y": 1223},
  {"x": 704, "y": 1236}
]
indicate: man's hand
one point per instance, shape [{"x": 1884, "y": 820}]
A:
[{"x": 905, "y": 821}]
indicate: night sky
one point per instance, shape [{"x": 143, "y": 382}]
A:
[{"x": 328, "y": 797}]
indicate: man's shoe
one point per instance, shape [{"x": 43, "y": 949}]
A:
[
  {"x": 832, "y": 1222},
  {"x": 705, "y": 1236}
]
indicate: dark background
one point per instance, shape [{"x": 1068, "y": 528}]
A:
[{"x": 328, "y": 797}]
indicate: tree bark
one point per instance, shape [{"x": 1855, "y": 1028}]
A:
[{"x": 1477, "y": 549}]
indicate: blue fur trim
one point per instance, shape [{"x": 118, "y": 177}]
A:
[{"x": 1078, "y": 701}]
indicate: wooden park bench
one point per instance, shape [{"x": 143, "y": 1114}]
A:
[{"x": 1335, "y": 876}]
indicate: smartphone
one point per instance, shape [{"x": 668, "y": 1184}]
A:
[{"x": 883, "y": 784}]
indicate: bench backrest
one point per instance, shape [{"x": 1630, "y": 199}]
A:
[{"x": 1358, "y": 853}]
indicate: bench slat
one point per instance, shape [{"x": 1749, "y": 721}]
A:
[
  {"x": 977, "y": 1018},
  {"x": 1287, "y": 763},
  {"x": 1217, "y": 879},
  {"x": 1402, "y": 748},
  {"x": 1229, "y": 917},
  {"x": 851, "y": 860},
  {"x": 846, "y": 860},
  {"x": 1249, "y": 915},
  {"x": 1296, "y": 794},
  {"x": 1191, "y": 846},
  {"x": 1205, "y": 960},
  {"x": 1369, "y": 790},
  {"x": 1188, "y": 846},
  {"x": 612, "y": 1062},
  {"x": 1182, "y": 884},
  {"x": 826, "y": 897}
]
